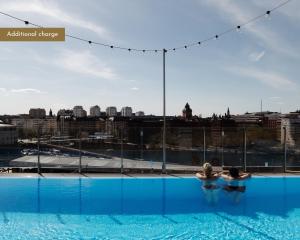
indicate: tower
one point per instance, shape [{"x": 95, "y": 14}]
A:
[{"x": 187, "y": 112}]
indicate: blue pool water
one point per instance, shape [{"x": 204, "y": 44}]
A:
[{"x": 146, "y": 208}]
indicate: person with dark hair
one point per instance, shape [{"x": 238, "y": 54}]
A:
[{"x": 235, "y": 182}]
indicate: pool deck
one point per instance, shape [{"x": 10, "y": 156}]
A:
[
  {"x": 96, "y": 163},
  {"x": 118, "y": 175}
]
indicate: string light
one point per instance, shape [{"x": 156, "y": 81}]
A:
[
  {"x": 216, "y": 36},
  {"x": 267, "y": 15}
]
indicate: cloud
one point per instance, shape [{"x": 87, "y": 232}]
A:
[
  {"x": 22, "y": 90},
  {"x": 84, "y": 62},
  {"x": 237, "y": 15},
  {"x": 271, "y": 79},
  {"x": 256, "y": 56},
  {"x": 27, "y": 90},
  {"x": 135, "y": 88},
  {"x": 47, "y": 9},
  {"x": 274, "y": 98}
]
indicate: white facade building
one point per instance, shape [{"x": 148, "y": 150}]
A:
[
  {"x": 47, "y": 125},
  {"x": 126, "y": 111},
  {"x": 111, "y": 111},
  {"x": 95, "y": 111},
  {"x": 79, "y": 112}
]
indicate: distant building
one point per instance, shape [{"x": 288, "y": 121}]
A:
[
  {"x": 65, "y": 113},
  {"x": 79, "y": 112},
  {"x": 74, "y": 126},
  {"x": 248, "y": 119},
  {"x": 139, "y": 114},
  {"x": 187, "y": 112},
  {"x": 292, "y": 124},
  {"x": 111, "y": 111},
  {"x": 37, "y": 113},
  {"x": 29, "y": 125},
  {"x": 126, "y": 112},
  {"x": 272, "y": 120},
  {"x": 95, "y": 111},
  {"x": 8, "y": 134}
]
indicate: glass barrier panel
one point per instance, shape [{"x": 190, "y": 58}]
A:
[
  {"x": 264, "y": 148},
  {"x": 293, "y": 147}
]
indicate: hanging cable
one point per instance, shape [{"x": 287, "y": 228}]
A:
[{"x": 185, "y": 46}]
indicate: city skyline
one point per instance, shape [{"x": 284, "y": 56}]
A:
[
  {"x": 237, "y": 70},
  {"x": 78, "y": 110}
]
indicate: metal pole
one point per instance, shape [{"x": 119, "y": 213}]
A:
[
  {"x": 39, "y": 160},
  {"x": 222, "y": 143},
  {"x": 122, "y": 160},
  {"x": 285, "y": 149},
  {"x": 142, "y": 143},
  {"x": 245, "y": 150},
  {"x": 204, "y": 146},
  {"x": 164, "y": 111},
  {"x": 80, "y": 147}
]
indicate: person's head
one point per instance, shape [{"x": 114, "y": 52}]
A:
[
  {"x": 234, "y": 172},
  {"x": 207, "y": 169}
]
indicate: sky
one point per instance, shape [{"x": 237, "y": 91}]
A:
[{"x": 237, "y": 70}]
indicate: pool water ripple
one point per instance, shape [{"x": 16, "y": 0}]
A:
[{"x": 146, "y": 208}]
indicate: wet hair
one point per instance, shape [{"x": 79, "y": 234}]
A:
[
  {"x": 234, "y": 172},
  {"x": 207, "y": 169}
]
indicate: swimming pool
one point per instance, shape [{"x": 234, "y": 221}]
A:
[{"x": 146, "y": 208}]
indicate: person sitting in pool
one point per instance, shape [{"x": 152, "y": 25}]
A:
[
  {"x": 209, "y": 183},
  {"x": 235, "y": 182}
]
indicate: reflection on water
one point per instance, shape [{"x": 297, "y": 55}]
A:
[{"x": 276, "y": 196}]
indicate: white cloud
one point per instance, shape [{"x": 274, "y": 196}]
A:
[
  {"x": 237, "y": 15},
  {"x": 84, "y": 62},
  {"x": 22, "y": 90},
  {"x": 271, "y": 79},
  {"x": 47, "y": 9},
  {"x": 274, "y": 98},
  {"x": 27, "y": 90},
  {"x": 135, "y": 88},
  {"x": 256, "y": 56}
]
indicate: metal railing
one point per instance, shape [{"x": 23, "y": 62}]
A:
[{"x": 141, "y": 149}]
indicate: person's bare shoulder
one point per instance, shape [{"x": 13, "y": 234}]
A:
[
  {"x": 200, "y": 176},
  {"x": 216, "y": 175},
  {"x": 245, "y": 175},
  {"x": 226, "y": 176}
]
